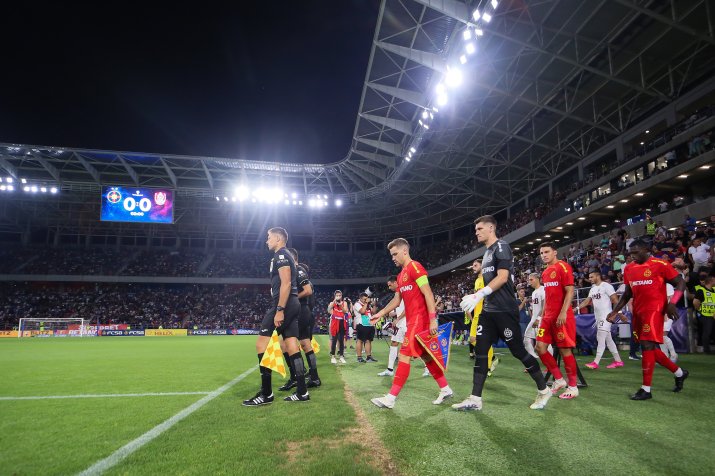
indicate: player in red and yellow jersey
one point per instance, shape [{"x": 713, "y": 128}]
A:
[
  {"x": 645, "y": 280},
  {"x": 558, "y": 324},
  {"x": 420, "y": 313}
]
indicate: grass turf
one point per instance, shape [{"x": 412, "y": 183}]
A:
[{"x": 600, "y": 432}]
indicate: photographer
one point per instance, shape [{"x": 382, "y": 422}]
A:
[
  {"x": 365, "y": 331},
  {"x": 337, "y": 309}
]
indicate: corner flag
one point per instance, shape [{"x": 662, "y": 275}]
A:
[
  {"x": 438, "y": 346},
  {"x": 273, "y": 357}
]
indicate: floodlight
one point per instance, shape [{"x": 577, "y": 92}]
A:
[
  {"x": 470, "y": 48},
  {"x": 467, "y": 35},
  {"x": 23, "y": 180},
  {"x": 463, "y": 59},
  {"x": 487, "y": 17},
  {"x": 43, "y": 189},
  {"x": 338, "y": 203},
  {"x": 494, "y": 4},
  {"x": 476, "y": 15},
  {"x": 453, "y": 77},
  {"x": 442, "y": 99},
  {"x": 479, "y": 32}
]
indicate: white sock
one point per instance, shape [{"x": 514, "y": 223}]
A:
[
  {"x": 679, "y": 372},
  {"x": 612, "y": 347},
  {"x": 669, "y": 347},
  {"x": 544, "y": 391},
  {"x": 529, "y": 345},
  {"x": 474, "y": 397},
  {"x": 393, "y": 356},
  {"x": 646, "y": 388},
  {"x": 601, "y": 339},
  {"x": 391, "y": 397}
]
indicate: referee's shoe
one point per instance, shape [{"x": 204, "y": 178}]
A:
[{"x": 258, "y": 400}]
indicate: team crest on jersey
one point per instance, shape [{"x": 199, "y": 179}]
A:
[
  {"x": 405, "y": 277},
  {"x": 507, "y": 333},
  {"x": 646, "y": 328},
  {"x": 560, "y": 336},
  {"x": 552, "y": 275},
  {"x": 647, "y": 273}
]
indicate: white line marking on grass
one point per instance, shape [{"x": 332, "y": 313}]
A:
[
  {"x": 104, "y": 395},
  {"x": 115, "y": 458}
]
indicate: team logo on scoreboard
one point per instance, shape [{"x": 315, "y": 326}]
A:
[
  {"x": 114, "y": 196},
  {"x": 647, "y": 273},
  {"x": 160, "y": 198}
]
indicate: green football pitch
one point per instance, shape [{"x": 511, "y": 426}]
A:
[{"x": 172, "y": 405}]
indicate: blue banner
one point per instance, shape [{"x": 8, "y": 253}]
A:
[{"x": 438, "y": 346}]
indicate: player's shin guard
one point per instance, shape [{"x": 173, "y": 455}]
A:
[
  {"x": 394, "y": 349},
  {"x": 571, "y": 370},
  {"x": 299, "y": 368},
  {"x": 481, "y": 367},
  {"x": 290, "y": 365},
  {"x": 550, "y": 363},
  {"x": 437, "y": 373},
  {"x": 401, "y": 374},
  {"x": 663, "y": 360},
  {"x": 648, "y": 364},
  {"x": 312, "y": 364},
  {"x": 266, "y": 387}
]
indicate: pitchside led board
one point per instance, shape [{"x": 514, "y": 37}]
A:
[{"x": 138, "y": 205}]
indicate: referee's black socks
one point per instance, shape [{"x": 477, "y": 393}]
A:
[
  {"x": 290, "y": 365},
  {"x": 266, "y": 388},
  {"x": 299, "y": 369},
  {"x": 312, "y": 365}
]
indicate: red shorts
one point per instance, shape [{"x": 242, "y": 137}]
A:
[
  {"x": 410, "y": 345},
  {"x": 648, "y": 325},
  {"x": 550, "y": 333}
]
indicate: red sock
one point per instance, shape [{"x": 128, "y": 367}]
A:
[
  {"x": 663, "y": 360},
  {"x": 401, "y": 374},
  {"x": 648, "y": 363},
  {"x": 437, "y": 373},
  {"x": 551, "y": 366},
  {"x": 571, "y": 370}
]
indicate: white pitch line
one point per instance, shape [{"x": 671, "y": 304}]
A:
[
  {"x": 115, "y": 458},
  {"x": 104, "y": 395}
]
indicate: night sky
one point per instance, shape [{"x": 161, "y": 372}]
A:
[{"x": 277, "y": 81}]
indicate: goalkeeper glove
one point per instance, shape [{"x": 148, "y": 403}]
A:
[{"x": 470, "y": 301}]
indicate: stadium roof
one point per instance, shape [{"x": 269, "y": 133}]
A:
[{"x": 546, "y": 84}]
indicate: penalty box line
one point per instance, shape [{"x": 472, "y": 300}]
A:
[
  {"x": 103, "y": 395},
  {"x": 122, "y": 453}
]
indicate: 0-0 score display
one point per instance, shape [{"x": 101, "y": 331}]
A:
[{"x": 141, "y": 205}]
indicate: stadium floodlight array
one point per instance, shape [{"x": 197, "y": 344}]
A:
[
  {"x": 275, "y": 196},
  {"x": 453, "y": 77},
  {"x": 57, "y": 327},
  {"x": 9, "y": 184}
]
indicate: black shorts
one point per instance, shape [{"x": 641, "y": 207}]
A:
[
  {"x": 498, "y": 325},
  {"x": 306, "y": 321},
  {"x": 365, "y": 333},
  {"x": 289, "y": 328}
]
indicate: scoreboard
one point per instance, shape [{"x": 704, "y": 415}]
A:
[{"x": 138, "y": 205}]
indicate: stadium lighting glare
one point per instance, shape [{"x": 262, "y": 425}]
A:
[
  {"x": 11, "y": 188},
  {"x": 640, "y": 194},
  {"x": 426, "y": 126},
  {"x": 242, "y": 193},
  {"x": 23, "y": 180},
  {"x": 470, "y": 48},
  {"x": 547, "y": 236},
  {"x": 293, "y": 195},
  {"x": 287, "y": 202},
  {"x": 559, "y": 227},
  {"x": 604, "y": 226},
  {"x": 476, "y": 15},
  {"x": 43, "y": 189},
  {"x": 453, "y": 78},
  {"x": 440, "y": 89},
  {"x": 420, "y": 122},
  {"x": 624, "y": 200},
  {"x": 325, "y": 196},
  {"x": 538, "y": 239},
  {"x": 467, "y": 35},
  {"x": 2, "y": 187},
  {"x": 233, "y": 199},
  {"x": 26, "y": 188},
  {"x": 569, "y": 223},
  {"x": 566, "y": 237},
  {"x": 581, "y": 218},
  {"x": 705, "y": 167},
  {"x": 530, "y": 243},
  {"x": 611, "y": 206},
  {"x": 300, "y": 202},
  {"x": 463, "y": 59},
  {"x": 413, "y": 150},
  {"x": 8, "y": 180},
  {"x": 487, "y": 17},
  {"x": 642, "y": 143},
  {"x": 434, "y": 108},
  {"x": 338, "y": 203},
  {"x": 479, "y": 32},
  {"x": 225, "y": 199},
  {"x": 442, "y": 99},
  {"x": 425, "y": 114},
  {"x": 431, "y": 116},
  {"x": 494, "y": 4},
  {"x": 683, "y": 176},
  {"x": 218, "y": 199},
  {"x": 407, "y": 159},
  {"x": 647, "y": 131},
  {"x": 517, "y": 248},
  {"x": 311, "y": 203}
]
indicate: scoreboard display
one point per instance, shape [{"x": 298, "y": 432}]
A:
[{"x": 138, "y": 205}]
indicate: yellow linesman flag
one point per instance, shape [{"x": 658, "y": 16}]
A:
[
  {"x": 273, "y": 357},
  {"x": 314, "y": 344}
]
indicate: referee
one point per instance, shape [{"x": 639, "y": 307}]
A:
[
  {"x": 499, "y": 317},
  {"x": 282, "y": 316}
]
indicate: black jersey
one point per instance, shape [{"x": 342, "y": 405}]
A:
[
  {"x": 498, "y": 256},
  {"x": 280, "y": 259},
  {"x": 303, "y": 280}
]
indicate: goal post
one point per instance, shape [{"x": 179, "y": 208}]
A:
[{"x": 56, "y": 327}]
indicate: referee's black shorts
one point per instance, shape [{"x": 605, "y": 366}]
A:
[
  {"x": 495, "y": 325},
  {"x": 365, "y": 333},
  {"x": 306, "y": 321},
  {"x": 289, "y": 328}
]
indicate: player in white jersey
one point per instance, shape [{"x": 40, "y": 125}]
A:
[
  {"x": 537, "y": 304},
  {"x": 667, "y": 346},
  {"x": 399, "y": 330},
  {"x": 603, "y": 297}
]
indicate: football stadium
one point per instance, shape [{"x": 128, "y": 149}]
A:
[{"x": 404, "y": 237}]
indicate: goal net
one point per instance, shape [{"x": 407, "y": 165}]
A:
[{"x": 64, "y": 327}]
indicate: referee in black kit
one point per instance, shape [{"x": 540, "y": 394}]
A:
[
  {"x": 500, "y": 315},
  {"x": 283, "y": 317}
]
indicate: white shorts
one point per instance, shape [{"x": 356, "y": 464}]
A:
[
  {"x": 351, "y": 331},
  {"x": 667, "y": 324},
  {"x": 530, "y": 332},
  {"x": 603, "y": 325},
  {"x": 399, "y": 335}
]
